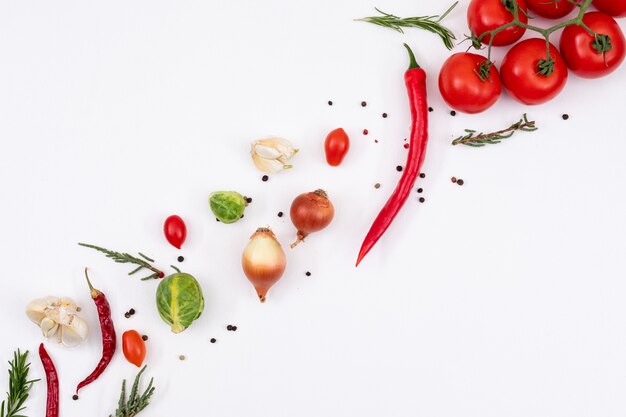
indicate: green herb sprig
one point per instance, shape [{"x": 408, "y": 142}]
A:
[
  {"x": 19, "y": 386},
  {"x": 482, "y": 139},
  {"x": 125, "y": 258},
  {"x": 135, "y": 403},
  {"x": 429, "y": 23}
]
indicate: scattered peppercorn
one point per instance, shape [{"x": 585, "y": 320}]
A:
[
  {"x": 420, "y": 190},
  {"x": 248, "y": 200},
  {"x": 234, "y": 328},
  {"x": 399, "y": 168},
  {"x": 384, "y": 115},
  {"x": 460, "y": 182},
  {"x": 280, "y": 214},
  {"x": 264, "y": 178},
  {"x": 229, "y": 327},
  {"x": 144, "y": 338},
  {"x": 217, "y": 220},
  {"x": 375, "y": 140},
  {"x": 182, "y": 357},
  {"x": 127, "y": 315},
  {"x": 452, "y": 113},
  {"x": 565, "y": 116},
  {"x": 74, "y": 397},
  {"x": 181, "y": 258},
  {"x": 406, "y": 146},
  {"x": 422, "y": 199},
  {"x": 453, "y": 179},
  {"x": 330, "y": 103},
  {"x": 308, "y": 274},
  {"x": 363, "y": 104},
  {"x": 213, "y": 340},
  {"x": 422, "y": 175},
  {"x": 377, "y": 185},
  {"x": 430, "y": 109},
  {"x": 365, "y": 132},
  {"x": 131, "y": 311}
]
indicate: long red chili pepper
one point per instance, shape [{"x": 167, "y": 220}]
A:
[
  {"x": 415, "y": 80},
  {"x": 108, "y": 334},
  {"x": 52, "y": 379}
]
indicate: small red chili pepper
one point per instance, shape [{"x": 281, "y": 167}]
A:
[
  {"x": 175, "y": 230},
  {"x": 52, "y": 380},
  {"x": 415, "y": 80},
  {"x": 108, "y": 334}
]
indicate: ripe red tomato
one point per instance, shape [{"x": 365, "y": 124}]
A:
[
  {"x": 134, "y": 347},
  {"x": 615, "y": 8},
  {"x": 462, "y": 87},
  {"x": 336, "y": 146},
  {"x": 175, "y": 231},
  {"x": 521, "y": 75},
  {"x": 486, "y": 15},
  {"x": 579, "y": 47},
  {"x": 551, "y": 9}
]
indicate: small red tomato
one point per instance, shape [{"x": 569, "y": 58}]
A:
[
  {"x": 469, "y": 83},
  {"x": 584, "y": 54},
  {"x": 615, "y": 8},
  {"x": 134, "y": 347},
  {"x": 551, "y": 9},
  {"x": 486, "y": 15},
  {"x": 336, "y": 146},
  {"x": 175, "y": 231},
  {"x": 522, "y": 76}
]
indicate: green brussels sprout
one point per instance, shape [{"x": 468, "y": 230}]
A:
[
  {"x": 179, "y": 300},
  {"x": 227, "y": 206}
]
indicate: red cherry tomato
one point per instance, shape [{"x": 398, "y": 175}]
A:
[
  {"x": 551, "y": 9},
  {"x": 486, "y": 15},
  {"x": 134, "y": 347},
  {"x": 462, "y": 87},
  {"x": 615, "y": 8},
  {"x": 579, "y": 47},
  {"x": 175, "y": 231},
  {"x": 520, "y": 72},
  {"x": 336, "y": 146}
]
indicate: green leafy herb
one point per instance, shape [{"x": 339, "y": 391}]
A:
[
  {"x": 429, "y": 23},
  {"x": 482, "y": 139},
  {"x": 125, "y": 258},
  {"x": 19, "y": 386},
  {"x": 135, "y": 403}
]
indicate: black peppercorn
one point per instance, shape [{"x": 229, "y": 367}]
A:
[
  {"x": 399, "y": 168},
  {"x": 213, "y": 340},
  {"x": 74, "y": 397},
  {"x": 422, "y": 199},
  {"x": 264, "y": 178},
  {"x": 181, "y": 258},
  {"x": 280, "y": 214},
  {"x": 144, "y": 338},
  {"x": 422, "y": 175}
]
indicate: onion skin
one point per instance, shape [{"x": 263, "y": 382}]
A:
[
  {"x": 311, "y": 212},
  {"x": 263, "y": 261}
]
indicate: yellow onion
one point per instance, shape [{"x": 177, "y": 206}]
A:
[{"x": 263, "y": 261}]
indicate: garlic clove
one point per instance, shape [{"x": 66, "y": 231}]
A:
[
  {"x": 266, "y": 151},
  {"x": 48, "y": 327},
  {"x": 69, "y": 305},
  {"x": 75, "y": 333},
  {"x": 35, "y": 310},
  {"x": 267, "y": 165}
]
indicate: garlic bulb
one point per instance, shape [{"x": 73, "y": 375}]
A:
[
  {"x": 272, "y": 154},
  {"x": 57, "y": 317}
]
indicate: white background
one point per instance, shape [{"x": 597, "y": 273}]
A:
[{"x": 504, "y": 297}]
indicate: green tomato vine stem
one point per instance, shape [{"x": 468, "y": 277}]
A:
[{"x": 545, "y": 66}]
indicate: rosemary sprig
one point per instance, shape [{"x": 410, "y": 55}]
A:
[
  {"x": 125, "y": 258},
  {"x": 482, "y": 139},
  {"x": 429, "y": 23},
  {"x": 19, "y": 386},
  {"x": 134, "y": 404}
]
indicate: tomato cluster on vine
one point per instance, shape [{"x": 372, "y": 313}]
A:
[{"x": 534, "y": 70}]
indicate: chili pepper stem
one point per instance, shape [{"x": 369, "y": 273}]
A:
[
  {"x": 94, "y": 292},
  {"x": 413, "y": 62}
]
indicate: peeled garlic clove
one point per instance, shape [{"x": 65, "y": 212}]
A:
[
  {"x": 35, "y": 310},
  {"x": 75, "y": 333},
  {"x": 270, "y": 166},
  {"x": 48, "y": 327}
]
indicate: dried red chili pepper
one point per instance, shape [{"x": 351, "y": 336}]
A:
[
  {"x": 108, "y": 334},
  {"x": 52, "y": 380},
  {"x": 415, "y": 80}
]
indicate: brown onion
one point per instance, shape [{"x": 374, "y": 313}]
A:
[
  {"x": 311, "y": 212},
  {"x": 263, "y": 261}
]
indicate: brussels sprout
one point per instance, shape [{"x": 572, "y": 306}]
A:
[
  {"x": 179, "y": 301},
  {"x": 228, "y": 206}
]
